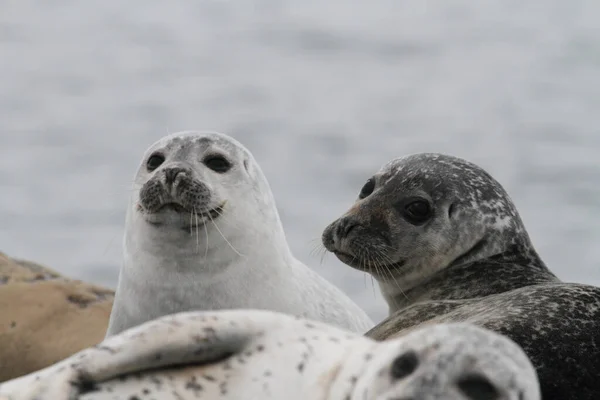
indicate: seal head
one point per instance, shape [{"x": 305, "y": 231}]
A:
[
  {"x": 425, "y": 213},
  {"x": 454, "y": 361},
  {"x": 203, "y": 232}
]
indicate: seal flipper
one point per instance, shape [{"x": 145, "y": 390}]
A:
[{"x": 175, "y": 340}]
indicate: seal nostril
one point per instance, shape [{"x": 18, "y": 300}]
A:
[
  {"x": 478, "y": 387},
  {"x": 344, "y": 228},
  {"x": 171, "y": 174},
  {"x": 349, "y": 228}
]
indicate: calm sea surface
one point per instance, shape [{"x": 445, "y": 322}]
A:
[{"x": 322, "y": 92}]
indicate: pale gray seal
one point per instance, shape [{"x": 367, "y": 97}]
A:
[
  {"x": 251, "y": 354},
  {"x": 446, "y": 243},
  {"x": 203, "y": 233}
]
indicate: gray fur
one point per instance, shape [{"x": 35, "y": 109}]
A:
[{"x": 471, "y": 261}]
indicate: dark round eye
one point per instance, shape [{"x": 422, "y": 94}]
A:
[
  {"x": 367, "y": 189},
  {"x": 404, "y": 365},
  {"x": 478, "y": 387},
  {"x": 154, "y": 161},
  {"x": 217, "y": 163},
  {"x": 417, "y": 212}
]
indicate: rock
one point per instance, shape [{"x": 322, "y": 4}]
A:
[{"x": 46, "y": 317}]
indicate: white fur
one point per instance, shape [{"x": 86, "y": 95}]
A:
[
  {"x": 242, "y": 260},
  {"x": 251, "y": 354}
]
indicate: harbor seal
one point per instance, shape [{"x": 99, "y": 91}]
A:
[
  {"x": 257, "y": 354},
  {"x": 445, "y": 243},
  {"x": 203, "y": 233},
  {"x": 45, "y": 316}
]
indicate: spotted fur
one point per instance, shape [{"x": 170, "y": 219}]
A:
[
  {"x": 250, "y": 354},
  {"x": 473, "y": 261}
]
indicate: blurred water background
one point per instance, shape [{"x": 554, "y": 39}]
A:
[{"x": 322, "y": 92}]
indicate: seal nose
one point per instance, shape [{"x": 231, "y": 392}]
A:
[{"x": 172, "y": 173}]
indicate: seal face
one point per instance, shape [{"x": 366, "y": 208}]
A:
[
  {"x": 446, "y": 243},
  {"x": 454, "y": 361},
  {"x": 425, "y": 213},
  {"x": 252, "y": 354},
  {"x": 202, "y": 232},
  {"x": 175, "y": 176}
]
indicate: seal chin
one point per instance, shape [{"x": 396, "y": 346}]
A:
[{"x": 352, "y": 261}]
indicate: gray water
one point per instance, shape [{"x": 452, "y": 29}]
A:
[{"x": 322, "y": 92}]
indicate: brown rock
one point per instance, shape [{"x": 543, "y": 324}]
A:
[{"x": 45, "y": 317}]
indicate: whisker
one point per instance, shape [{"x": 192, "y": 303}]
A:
[
  {"x": 206, "y": 247},
  {"x": 223, "y": 236},
  {"x": 197, "y": 233},
  {"x": 225, "y": 218}
]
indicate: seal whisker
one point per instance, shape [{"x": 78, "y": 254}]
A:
[
  {"x": 319, "y": 250},
  {"x": 206, "y": 244},
  {"x": 366, "y": 264},
  {"x": 223, "y": 236},
  {"x": 227, "y": 219},
  {"x": 386, "y": 268},
  {"x": 197, "y": 230}
]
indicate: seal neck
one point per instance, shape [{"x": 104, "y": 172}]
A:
[{"x": 470, "y": 277}]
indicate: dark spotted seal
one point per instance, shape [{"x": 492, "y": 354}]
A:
[{"x": 446, "y": 243}]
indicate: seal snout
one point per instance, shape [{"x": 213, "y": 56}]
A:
[
  {"x": 175, "y": 188},
  {"x": 172, "y": 173},
  {"x": 337, "y": 233}
]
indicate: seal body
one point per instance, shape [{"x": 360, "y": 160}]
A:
[
  {"x": 446, "y": 243},
  {"x": 203, "y": 233},
  {"x": 257, "y": 354}
]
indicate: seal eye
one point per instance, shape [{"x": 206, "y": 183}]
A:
[
  {"x": 367, "y": 189},
  {"x": 217, "y": 163},
  {"x": 478, "y": 387},
  {"x": 404, "y": 365},
  {"x": 417, "y": 212},
  {"x": 154, "y": 161}
]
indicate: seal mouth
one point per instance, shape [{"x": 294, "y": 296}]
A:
[
  {"x": 176, "y": 207},
  {"x": 193, "y": 217},
  {"x": 362, "y": 264}
]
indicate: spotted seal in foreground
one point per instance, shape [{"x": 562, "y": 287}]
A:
[
  {"x": 252, "y": 354},
  {"x": 203, "y": 233},
  {"x": 446, "y": 243},
  {"x": 45, "y": 316}
]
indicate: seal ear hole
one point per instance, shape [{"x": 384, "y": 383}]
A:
[
  {"x": 154, "y": 161},
  {"x": 217, "y": 163},
  {"x": 404, "y": 365},
  {"x": 478, "y": 387},
  {"x": 246, "y": 165}
]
